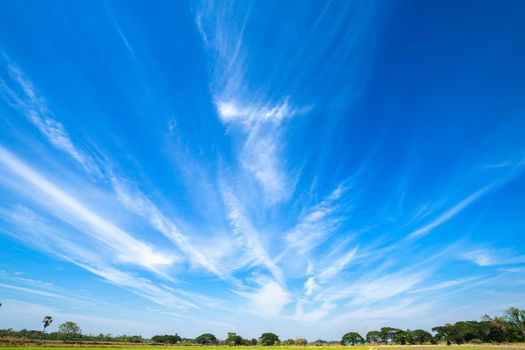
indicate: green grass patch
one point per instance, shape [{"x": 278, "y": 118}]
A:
[
  {"x": 451, "y": 347},
  {"x": 371, "y": 347}
]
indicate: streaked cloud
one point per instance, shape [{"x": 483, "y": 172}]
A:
[
  {"x": 268, "y": 299},
  {"x": 127, "y": 248},
  {"x": 34, "y": 107}
]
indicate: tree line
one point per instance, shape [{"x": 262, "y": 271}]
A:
[
  {"x": 507, "y": 328},
  {"x": 510, "y": 327}
]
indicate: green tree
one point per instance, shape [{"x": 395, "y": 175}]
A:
[
  {"x": 388, "y": 334},
  {"x": 301, "y": 341},
  {"x": 46, "y": 322},
  {"x": 288, "y": 342},
  {"x": 268, "y": 339},
  {"x": 234, "y": 339},
  {"x": 352, "y": 338},
  {"x": 166, "y": 339},
  {"x": 446, "y": 333},
  {"x": 516, "y": 318},
  {"x": 422, "y": 337},
  {"x": 404, "y": 337},
  {"x": 373, "y": 337},
  {"x": 69, "y": 330},
  {"x": 206, "y": 339}
]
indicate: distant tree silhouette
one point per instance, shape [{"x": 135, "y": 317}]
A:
[{"x": 46, "y": 322}]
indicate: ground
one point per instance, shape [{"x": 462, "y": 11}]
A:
[{"x": 388, "y": 347}]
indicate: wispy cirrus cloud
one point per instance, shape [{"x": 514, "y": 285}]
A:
[
  {"x": 127, "y": 248},
  {"x": 329, "y": 272},
  {"x": 493, "y": 257},
  {"x": 317, "y": 223},
  {"x": 138, "y": 203},
  {"x": 260, "y": 117},
  {"x": 37, "y": 111},
  {"x": 248, "y": 236},
  {"x": 94, "y": 257},
  {"x": 261, "y": 151},
  {"x": 249, "y": 115},
  {"x": 38, "y": 292},
  {"x": 463, "y": 204},
  {"x": 22, "y": 94},
  {"x": 450, "y": 213},
  {"x": 366, "y": 290},
  {"x": 267, "y": 299}
]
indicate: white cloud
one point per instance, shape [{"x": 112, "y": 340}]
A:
[
  {"x": 314, "y": 313},
  {"x": 250, "y": 114},
  {"x": 261, "y": 118},
  {"x": 444, "y": 285},
  {"x": 310, "y": 285},
  {"x": 466, "y": 202},
  {"x": 316, "y": 224},
  {"x": 492, "y": 257},
  {"x": 313, "y": 283},
  {"x": 38, "y": 113},
  {"x": 138, "y": 203},
  {"x": 140, "y": 286},
  {"x": 261, "y": 153},
  {"x": 35, "y": 109},
  {"x": 247, "y": 235},
  {"x": 268, "y": 300},
  {"x": 38, "y": 292},
  {"x": 95, "y": 257},
  {"x": 371, "y": 289},
  {"x": 480, "y": 257},
  {"x": 127, "y": 248},
  {"x": 259, "y": 157},
  {"x": 340, "y": 264},
  {"x": 449, "y": 214}
]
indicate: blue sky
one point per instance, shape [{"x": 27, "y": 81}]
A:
[{"x": 307, "y": 168}]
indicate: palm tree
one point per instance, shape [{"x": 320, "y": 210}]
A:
[{"x": 46, "y": 322}]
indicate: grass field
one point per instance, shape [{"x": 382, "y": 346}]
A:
[
  {"x": 452, "y": 347},
  {"x": 430, "y": 347}
]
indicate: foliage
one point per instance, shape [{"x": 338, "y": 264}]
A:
[
  {"x": 166, "y": 339},
  {"x": 234, "y": 339},
  {"x": 373, "y": 337},
  {"x": 508, "y": 328},
  {"x": 421, "y": 336},
  {"x": 46, "y": 322},
  {"x": 301, "y": 341},
  {"x": 206, "y": 339},
  {"x": 352, "y": 338},
  {"x": 268, "y": 339},
  {"x": 69, "y": 330},
  {"x": 516, "y": 318},
  {"x": 288, "y": 342}
]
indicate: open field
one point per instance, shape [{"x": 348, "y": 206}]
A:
[
  {"x": 192, "y": 347},
  {"x": 371, "y": 347},
  {"x": 452, "y": 347}
]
